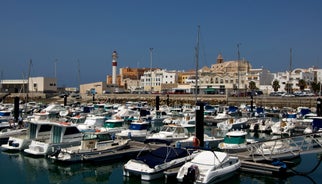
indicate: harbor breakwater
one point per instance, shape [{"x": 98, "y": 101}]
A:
[{"x": 180, "y": 99}]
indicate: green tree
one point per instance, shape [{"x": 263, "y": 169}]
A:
[
  {"x": 315, "y": 87},
  {"x": 252, "y": 85},
  {"x": 302, "y": 84},
  {"x": 276, "y": 85}
]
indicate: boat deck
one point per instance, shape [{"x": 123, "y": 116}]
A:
[
  {"x": 262, "y": 164},
  {"x": 131, "y": 151}
]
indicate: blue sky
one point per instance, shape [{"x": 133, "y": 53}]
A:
[{"x": 80, "y": 35}]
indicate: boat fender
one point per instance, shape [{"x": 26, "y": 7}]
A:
[
  {"x": 196, "y": 142},
  {"x": 282, "y": 165}
]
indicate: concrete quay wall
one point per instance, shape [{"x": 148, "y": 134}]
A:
[{"x": 177, "y": 99}]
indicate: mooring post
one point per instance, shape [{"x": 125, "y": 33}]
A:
[
  {"x": 318, "y": 107},
  {"x": 65, "y": 100},
  {"x": 200, "y": 123},
  {"x": 157, "y": 103},
  {"x": 16, "y": 109}
]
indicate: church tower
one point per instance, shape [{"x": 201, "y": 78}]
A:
[{"x": 220, "y": 59}]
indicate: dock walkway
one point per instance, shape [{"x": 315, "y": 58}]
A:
[{"x": 257, "y": 161}]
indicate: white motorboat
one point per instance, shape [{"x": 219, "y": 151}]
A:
[
  {"x": 94, "y": 146},
  {"x": 170, "y": 132},
  {"x": 284, "y": 126},
  {"x": 208, "y": 167},
  {"x": 137, "y": 130},
  {"x": 233, "y": 124},
  {"x": 91, "y": 123},
  {"x": 235, "y": 141},
  {"x": 151, "y": 165},
  {"x": 210, "y": 142},
  {"x": 114, "y": 125},
  {"x": 281, "y": 149},
  {"x": 262, "y": 124},
  {"x": 62, "y": 135},
  {"x": 6, "y": 133},
  {"x": 37, "y": 130}
]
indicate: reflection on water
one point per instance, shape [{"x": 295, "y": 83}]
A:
[
  {"x": 36, "y": 168},
  {"x": 18, "y": 168}
]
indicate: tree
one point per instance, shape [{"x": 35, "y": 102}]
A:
[
  {"x": 252, "y": 85},
  {"x": 315, "y": 87},
  {"x": 276, "y": 85},
  {"x": 302, "y": 84}
]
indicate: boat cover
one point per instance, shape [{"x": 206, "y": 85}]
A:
[{"x": 162, "y": 155}]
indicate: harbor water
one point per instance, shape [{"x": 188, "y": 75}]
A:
[{"x": 19, "y": 168}]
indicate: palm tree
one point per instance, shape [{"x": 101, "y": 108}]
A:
[
  {"x": 252, "y": 85},
  {"x": 302, "y": 84},
  {"x": 276, "y": 85},
  {"x": 315, "y": 87}
]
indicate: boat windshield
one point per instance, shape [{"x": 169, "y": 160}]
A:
[
  {"x": 138, "y": 126},
  {"x": 167, "y": 129}
]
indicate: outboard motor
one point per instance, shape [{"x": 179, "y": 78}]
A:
[
  {"x": 56, "y": 152},
  {"x": 191, "y": 175}
]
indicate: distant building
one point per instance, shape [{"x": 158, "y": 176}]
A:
[
  {"x": 153, "y": 80},
  {"x": 95, "y": 87},
  {"x": 292, "y": 78},
  {"x": 34, "y": 84}
]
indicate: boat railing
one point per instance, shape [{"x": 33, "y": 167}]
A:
[{"x": 291, "y": 146}]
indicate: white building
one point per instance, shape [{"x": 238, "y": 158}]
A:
[
  {"x": 35, "y": 84},
  {"x": 152, "y": 80},
  {"x": 293, "y": 78},
  {"x": 42, "y": 84}
]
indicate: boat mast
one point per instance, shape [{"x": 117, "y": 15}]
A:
[
  {"x": 78, "y": 75},
  {"x": 197, "y": 64},
  {"x": 27, "y": 89},
  {"x": 289, "y": 74}
]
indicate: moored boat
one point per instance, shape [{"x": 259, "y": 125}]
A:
[
  {"x": 62, "y": 135},
  {"x": 208, "y": 167},
  {"x": 235, "y": 141},
  {"x": 93, "y": 147},
  {"x": 151, "y": 165}
]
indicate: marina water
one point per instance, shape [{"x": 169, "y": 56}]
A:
[{"x": 18, "y": 168}]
